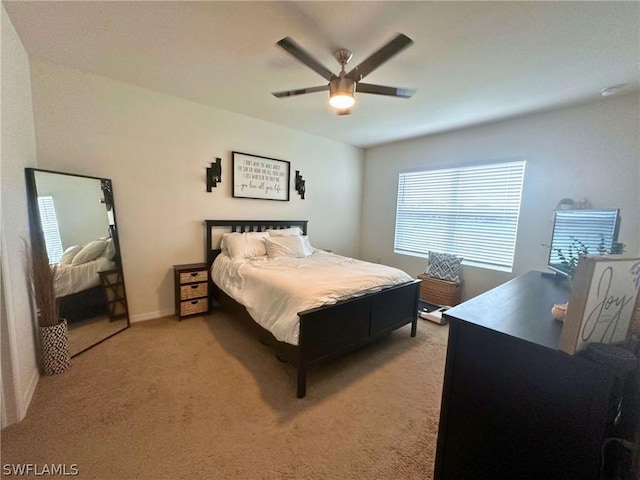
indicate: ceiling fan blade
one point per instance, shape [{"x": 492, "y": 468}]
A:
[
  {"x": 300, "y": 91},
  {"x": 376, "y": 59},
  {"x": 382, "y": 90},
  {"x": 297, "y": 51}
]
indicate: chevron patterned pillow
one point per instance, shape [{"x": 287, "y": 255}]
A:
[{"x": 444, "y": 266}]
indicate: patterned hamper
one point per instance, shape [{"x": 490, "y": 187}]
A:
[
  {"x": 439, "y": 292},
  {"x": 55, "y": 348}
]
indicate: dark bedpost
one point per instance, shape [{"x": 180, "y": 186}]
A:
[
  {"x": 302, "y": 382},
  {"x": 414, "y": 324}
]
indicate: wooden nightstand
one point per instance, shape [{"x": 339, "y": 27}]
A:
[
  {"x": 192, "y": 289},
  {"x": 112, "y": 283}
]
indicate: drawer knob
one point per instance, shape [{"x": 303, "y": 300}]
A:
[
  {"x": 194, "y": 274},
  {"x": 194, "y": 302},
  {"x": 194, "y": 286}
]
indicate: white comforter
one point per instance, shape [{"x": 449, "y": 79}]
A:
[
  {"x": 75, "y": 278},
  {"x": 274, "y": 290}
]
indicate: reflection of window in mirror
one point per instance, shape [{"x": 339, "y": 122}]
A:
[{"x": 50, "y": 228}]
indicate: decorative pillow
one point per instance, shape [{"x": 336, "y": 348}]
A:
[
  {"x": 444, "y": 266},
  {"x": 244, "y": 245},
  {"x": 69, "y": 254},
  {"x": 91, "y": 251},
  {"x": 285, "y": 232},
  {"x": 287, "y": 246}
]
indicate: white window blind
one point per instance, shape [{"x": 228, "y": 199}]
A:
[
  {"x": 50, "y": 229},
  {"x": 469, "y": 211}
]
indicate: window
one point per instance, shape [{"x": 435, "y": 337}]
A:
[
  {"x": 469, "y": 211},
  {"x": 50, "y": 229}
]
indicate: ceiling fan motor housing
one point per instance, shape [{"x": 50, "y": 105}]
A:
[
  {"x": 342, "y": 86},
  {"x": 341, "y": 92}
]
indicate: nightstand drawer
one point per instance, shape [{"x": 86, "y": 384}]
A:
[
  {"x": 197, "y": 276},
  {"x": 191, "y": 307},
  {"x": 193, "y": 291}
]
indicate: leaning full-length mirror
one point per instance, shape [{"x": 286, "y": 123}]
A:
[{"x": 74, "y": 216}]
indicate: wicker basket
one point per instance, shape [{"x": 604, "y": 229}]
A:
[
  {"x": 439, "y": 292},
  {"x": 191, "y": 307},
  {"x": 197, "y": 276},
  {"x": 195, "y": 290}
]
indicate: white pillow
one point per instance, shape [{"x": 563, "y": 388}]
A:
[
  {"x": 285, "y": 232},
  {"x": 91, "y": 251},
  {"x": 110, "y": 249},
  {"x": 244, "y": 245},
  {"x": 307, "y": 244},
  {"x": 288, "y": 246},
  {"x": 69, "y": 254}
]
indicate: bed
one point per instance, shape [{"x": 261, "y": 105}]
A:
[
  {"x": 77, "y": 282},
  {"x": 324, "y": 332}
]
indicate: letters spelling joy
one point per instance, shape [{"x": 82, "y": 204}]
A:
[{"x": 607, "y": 312}]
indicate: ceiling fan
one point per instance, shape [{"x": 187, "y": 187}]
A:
[{"x": 343, "y": 86}]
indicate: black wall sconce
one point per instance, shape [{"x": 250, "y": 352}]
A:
[
  {"x": 300, "y": 188},
  {"x": 107, "y": 192},
  {"x": 214, "y": 174}
]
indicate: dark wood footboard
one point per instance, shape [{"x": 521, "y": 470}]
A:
[{"x": 331, "y": 331}]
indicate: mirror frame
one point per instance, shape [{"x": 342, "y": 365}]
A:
[{"x": 37, "y": 235}]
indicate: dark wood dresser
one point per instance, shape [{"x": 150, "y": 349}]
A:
[{"x": 513, "y": 405}]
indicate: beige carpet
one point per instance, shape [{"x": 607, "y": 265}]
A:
[
  {"x": 86, "y": 333},
  {"x": 203, "y": 399}
]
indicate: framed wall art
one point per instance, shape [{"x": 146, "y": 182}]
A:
[
  {"x": 602, "y": 301},
  {"x": 259, "y": 177}
]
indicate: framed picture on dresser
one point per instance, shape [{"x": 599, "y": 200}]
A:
[
  {"x": 602, "y": 301},
  {"x": 261, "y": 178}
]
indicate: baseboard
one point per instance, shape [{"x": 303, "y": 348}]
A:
[
  {"x": 28, "y": 395},
  {"x": 150, "y": 316}
]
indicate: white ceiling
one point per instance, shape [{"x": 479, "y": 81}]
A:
[{"x": 472, "y": 62}]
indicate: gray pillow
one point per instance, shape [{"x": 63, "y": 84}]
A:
[{"x": 444, "y": 266}]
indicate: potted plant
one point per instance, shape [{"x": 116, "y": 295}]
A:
[
  {"x": 54, "y": 342},
  {"x": 577, "y": 249}
]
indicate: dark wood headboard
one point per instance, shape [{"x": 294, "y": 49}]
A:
[{"x": 242, "y": 226}]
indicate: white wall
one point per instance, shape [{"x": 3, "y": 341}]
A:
[
  {"x": 156, "y": 148},
  {"x": 19, "y": 364},
  {"x": 587, "y": 151}
]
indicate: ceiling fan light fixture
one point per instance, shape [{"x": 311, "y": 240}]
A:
[
  {"x": 342, "y": 101},
  {"x": 341, "y": 93}
]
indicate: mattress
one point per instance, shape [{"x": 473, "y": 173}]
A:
[
  {"x": 274, "y": 290},
  {"x": 75, "y": 278}
]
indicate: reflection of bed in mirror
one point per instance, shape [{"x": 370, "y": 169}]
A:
[
  {"x": 77, "y": 281},
  {"x": 75, "y": 215}
]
